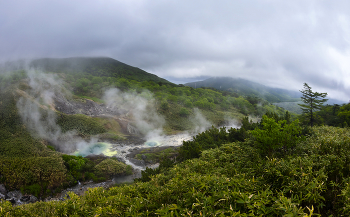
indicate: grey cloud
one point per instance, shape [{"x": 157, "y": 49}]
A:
[{"x": 280, "y": 43}]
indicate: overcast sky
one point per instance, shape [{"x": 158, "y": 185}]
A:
[{"x": 278, "y": 43}]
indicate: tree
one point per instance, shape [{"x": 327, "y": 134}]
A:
[{"x": 312, "y": 101}]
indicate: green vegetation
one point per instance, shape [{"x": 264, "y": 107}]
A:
[
  {"x": 276, "y": 136},
  {"x": 83, "y": 124},
  {"x": 178, "y": 104},
  {"x": 233, "y": 179},
  {"x": 31, "y": 164},
  {"x": 241, "y": 87},
  {"x": 100, "y": 67},
  {"x": 24, "y": 160},
  {"x": 156, "y": 154},
  {"x": 275, "y": 167},
  {"x": 110, "y": 167}
]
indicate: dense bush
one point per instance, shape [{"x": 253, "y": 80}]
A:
[
  {"x": 83, "y": 124},
  {"x": 18, "y": 172},
  {"x": 109, "y": 168},
  {"x": 273, "y": 136}
]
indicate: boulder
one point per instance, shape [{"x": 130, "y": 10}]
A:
[
  {"x": 120, "y": 159},
  {"x": 12, "y": 200},
  {"x": 2, "y": 197},
  {"x": 25, "y": 198},
  {"x": 14, "y": 197},
  {"x": 3, "y": 189},
  {"x": 137, "y": 162},
  {"x": 33, "y": 199}
]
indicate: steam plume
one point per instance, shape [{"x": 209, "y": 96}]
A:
[{"x": 141, "y": 107}]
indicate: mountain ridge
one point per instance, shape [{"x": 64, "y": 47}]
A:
[
  {"x": 96, "y": 66},
  {"x": 248, "y": 88}
]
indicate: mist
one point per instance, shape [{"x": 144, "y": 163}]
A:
[
  {"x": 36, "y": 108},
  {"x": 141, "y": 110}
]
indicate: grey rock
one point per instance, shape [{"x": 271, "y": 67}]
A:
[
  {"x": 121, "y": 159},
  {"x": 25, "y": 198},
  {"x": 143, "y": 157},
  {"x": 2, "y": 197},
  {"x": 12, "y": 200},
  {"x": 3, "y": 189},
  {"x": 137, "y": 162},
  {"x": 14, "y": 194},
  {"x": 14, "y": 197},
  {"x": 33, "y": 199}
]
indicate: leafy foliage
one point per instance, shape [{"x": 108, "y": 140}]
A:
[
  {"x": 83, "y": 124},
  {"x": 273, "y": 136},
  {"x": 109, "y": 168}
]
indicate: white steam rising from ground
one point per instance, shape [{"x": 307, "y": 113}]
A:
[
  {"x": 199, "y": 121},
  {"x": 141, "y": 109},
  {"x": 36, "y": 108}
]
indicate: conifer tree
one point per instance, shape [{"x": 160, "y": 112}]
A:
[{"x": 312, "y": 101}]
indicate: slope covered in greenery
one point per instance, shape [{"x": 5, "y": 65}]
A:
[
  {"x": 233, "y": 179},
  {"x": 29, "y": 161},
  {"x": 96, "y": 66},
  {"x": 248, "y": 88}
]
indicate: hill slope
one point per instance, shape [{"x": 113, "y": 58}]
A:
[
  {"x": 96, "y": 66},
  {"x": 248, "y": 88}
]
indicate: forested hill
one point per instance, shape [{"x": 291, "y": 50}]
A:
[
  {"x": 96, "y": 66},
  {"x": 248, "y": 88}
]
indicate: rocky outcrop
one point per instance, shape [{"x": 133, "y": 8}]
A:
[
  {"x": 3, "y": 189},
  {"x": 85, "y": 106},
  {"x": 91, "y": 108},
  {"x": 3, "y": 192},
  {"x": 16, "y": 197}
]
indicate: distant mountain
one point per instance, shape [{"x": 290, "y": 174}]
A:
[
  {"x": 248, "y": 88},
  {"x": 96, "y": 66}
]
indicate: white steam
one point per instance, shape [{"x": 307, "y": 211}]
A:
[
  {"x": 141, "y": 109},
  {"x": 36, "y": 108},
  {"x": 199, "y": 121}
]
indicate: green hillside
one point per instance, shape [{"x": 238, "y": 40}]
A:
[
  {"x": 30, "y": 162},
  {"x": 182, "y": 108},
  {"x": 96, "y": 66},
  {"x": 248, "y": 88}
]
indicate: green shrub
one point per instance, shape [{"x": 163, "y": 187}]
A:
[
  {"x": 164, "y": 105},
  {"x": 110, "y": 167},
  {"x": 184, "y": 112},
  {"x": 128, "y": 170},
  {"x": 275, "y": 136},
  {"x": 34, "y": 189},
  {"x": 83, "y": 124},
  {"x": 19, "y": 172},
  {"x": 51, "y": 147}
]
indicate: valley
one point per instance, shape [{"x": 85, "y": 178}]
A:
[{"x": 104, "y": 132}]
